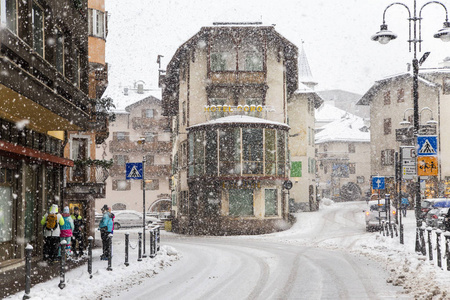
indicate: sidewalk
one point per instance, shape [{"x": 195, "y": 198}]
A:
[{"x": 13, "y": 280}]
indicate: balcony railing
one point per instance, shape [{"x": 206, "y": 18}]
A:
[
  {"x": 237, "y": 77},
  {"x": 147, "y": 123},
  {"x": 152, "y": 147}
]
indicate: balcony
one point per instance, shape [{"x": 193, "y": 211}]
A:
[
  {"x": 150, "y": 171},
  {"x": 87, "y": 180},
  {"x": 149, "y": 123},
  {"x": 35, "y": 80},
  {"x": 99, "y": 124},
  {"x": 148, "y": 147},
  {"x": 237, "y": 77}
]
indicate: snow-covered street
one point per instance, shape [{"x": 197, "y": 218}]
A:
[{"x": 325, "y": 255}]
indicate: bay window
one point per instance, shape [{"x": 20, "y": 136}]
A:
[{"x": 8, "y": 13}]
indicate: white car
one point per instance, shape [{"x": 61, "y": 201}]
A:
[
  {"x": 130, "y": 218},
  {"x": 376, "y": 213}
]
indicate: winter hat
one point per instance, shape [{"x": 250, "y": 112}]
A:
[
  {"x": 66, "y": 210},
  {"x": 105, "y": 207},
  {"x": 53, "y": 209}
]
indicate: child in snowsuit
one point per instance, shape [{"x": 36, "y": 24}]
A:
[
  {"x": 66, "y": 230},
  {"x": 77, "y": 232}
]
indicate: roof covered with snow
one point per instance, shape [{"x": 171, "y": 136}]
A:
[
  {"x": 241, "y": 120},
  {"x": 329, "y": 113},
  {"x": 348, "y": 128}
]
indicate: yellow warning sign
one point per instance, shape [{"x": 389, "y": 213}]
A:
[{"x": 427, "y": 166}]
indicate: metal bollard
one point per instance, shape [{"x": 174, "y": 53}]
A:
[
  {"x": 391, "y": 229},
  {"x": 430, "y": 244},
  {"x": 158, "y": 238},
  {"x": 438, "y": 248},
  {"x": 447, "y": 248},
  {"x": 382, "y": 226},
  {"x": 152, "y": 243},
  {"x": 62, "y": 274},
  {"x": 109, "y": 268},
  {"x": 140, "y": 247},
  {"x": 396, "y": 230},
  {"x": 28, "y": 250},
  {"x": 127, "y": 243},
  {"x": 401, "y": 234},
  {"x": 90, "y": 241},
  {"x": 422, "y": 240}
]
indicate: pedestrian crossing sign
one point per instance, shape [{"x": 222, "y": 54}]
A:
[
  {"x": 427, "y": 145},
  {"x": 134, "y": 171}
]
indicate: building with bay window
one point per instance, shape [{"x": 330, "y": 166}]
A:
[{"x": 226, "y": 91}]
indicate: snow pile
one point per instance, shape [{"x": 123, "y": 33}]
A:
[{"x": 326, "y": 202}]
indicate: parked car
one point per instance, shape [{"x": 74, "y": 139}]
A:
[
  {"x": 441, "y": 218},
  {"x": 376, "y": 213},
  {"x": 427, "y": 205},
  {"x": 130, "y": 218},
  {"x": 431, "y": 218}
]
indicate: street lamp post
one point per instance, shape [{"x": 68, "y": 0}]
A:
[{"x": 384, "y": 36}]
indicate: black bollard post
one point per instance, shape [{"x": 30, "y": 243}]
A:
[
  {"x": 430, "y": 244},
  {"x": 422, "y": 241},
  {"x": 158, "y": 238},
  {"x": 395, "y": 229},
  {"x": 438, "y": 248},
  {"x": 28, "y": 250},
  {"x": 62, "y": 274},
  {"x": 382, "y": 226},
  {"x": 447, "y": 248},
  {"x": 140, "y": 247},
  {"x": 109, "y": 268},
  {"x": 152, "y": 243},
  {"x": 401, "y": 234},
  {"x": 90, "y": 241},
  {"x": 391, "y": 229},
  {"x": 127, "y": 242}
]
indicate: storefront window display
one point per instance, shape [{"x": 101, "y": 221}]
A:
[
  {"x": 241, "y": 202},
  {"x": 6, "y": 211}
]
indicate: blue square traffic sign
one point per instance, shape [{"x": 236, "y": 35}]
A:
[
  {"x": 427, "y": 145},
  {"x": 134, "y": 171},
  {"x": 378, "y": 183}
]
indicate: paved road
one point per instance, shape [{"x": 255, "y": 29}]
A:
[{"x": 296, "y": 264}]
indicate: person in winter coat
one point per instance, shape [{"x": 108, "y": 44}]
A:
[
  {"x": 66, "y": 230},
  {"x": 77, "y": 232},
  {"x": 52, "y": 222},
  {"x": 447, "y": 221},
  {"x": 105, "y": 227}
]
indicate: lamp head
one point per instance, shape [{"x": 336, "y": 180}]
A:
[
  {"x": 384, "y": 36},
  {"x": 432, "y": 122},
  {"x": 405, "y": 123},
  {"x": 444, "y": 33}
]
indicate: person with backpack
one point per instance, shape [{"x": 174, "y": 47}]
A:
[
  {"x": 77, "y": 232},
  {"x": 66, "y": 231},
  {"x": 51, "y": 223},
  {"x": 105, "y": 226}
]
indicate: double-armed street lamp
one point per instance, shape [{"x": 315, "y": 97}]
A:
[{"x": 415, "y": 38}]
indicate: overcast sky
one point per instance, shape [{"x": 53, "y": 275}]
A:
[{"x": 336, "y": 35}]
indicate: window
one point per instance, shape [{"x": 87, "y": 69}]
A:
[
  {"x": 253, "y": 61},
  {"x": 196, "y": 153},
  {"x": 352, "y": 168},
  {"x": 250, "y": 54},
  {"x": 59, "y": 51},
  {"x": 446, "y": 85},
  {"x": 387, "y": 98},
  {"x": 183, "y": 157},
  {"x": 271, "y": 202},
  {"x": 183, "y": 116},
  {"x": 219, "y": 113},
  {"x": 6, "y": 207},
  {"x": 351, "y": 148},
  {"x": 340, "y": 170},
  {"x": 359, "y": 179},
  {"x": 174, "y": 199},
  {"x": 387, "y": 126},
  {"x": 121, "y": 136},
  {"x": 223, "y": 54},
  {"x": 150, "y": 137},
  {"x": 281, "y": 152},
  {"x": 120, "y": 160},
  {"x": 387, "y": 157},
  {"x": 400, "y": 95},
  {"x": 37, "y": 19},
  {"x": 79, "y": 152},
  {"x": 121, "y": 185},
  {"x": 211, "y": 152},
  {"x": 271, "y": 151},
  {"x": 8, "y": 12},
  {"x": 149, "y": 160},
  {"x": 184, "y": 202},
  {"x": 96, "y": 23},
  {"x": 230, "y": 151},
  {"x": 252, "y": 147},
  {"x": 151, "y": 184},
  {"x": 76, "y": 68},
  {"x": 241, "y": 202},
  {"x": 148, "y": 113}
]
